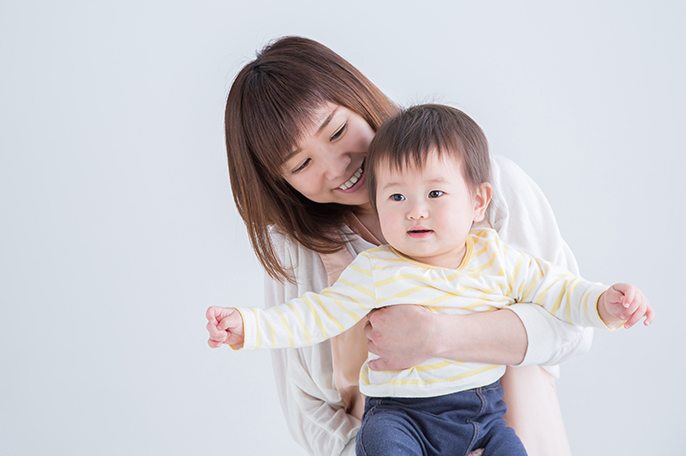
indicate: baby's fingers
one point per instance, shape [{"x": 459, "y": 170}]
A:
[
  {"x": 214, "y": 343},
  {"x": 629, "y": 295},
  {"x": 638, "y": 304},
  {"x": 644, "y": 310},
  {"x": 614, "y": 300},
  {"x": 622, "y": 293},
  {"x": 216, "y": 334},
  {"x": 650, "y": 316},
  {"x": 231, "y": 321},
  {"x": 215, "y": 313}
]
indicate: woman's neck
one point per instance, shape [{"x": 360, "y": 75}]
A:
[{"x": 370, "y": 221}]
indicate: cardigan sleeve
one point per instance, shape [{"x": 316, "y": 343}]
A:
[
  {"x": 523, "y": 218},
  {"x": 313, "y": 408}
]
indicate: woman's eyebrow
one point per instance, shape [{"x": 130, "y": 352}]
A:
[{"x": 326, "y": 122}]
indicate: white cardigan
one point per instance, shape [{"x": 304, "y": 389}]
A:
[{"x": 314, "y": 410}]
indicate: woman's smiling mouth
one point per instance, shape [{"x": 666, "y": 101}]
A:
[{"x": 354, "y": 179}]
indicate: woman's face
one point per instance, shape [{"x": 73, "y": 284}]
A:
[{"x": 327, "y": 166}]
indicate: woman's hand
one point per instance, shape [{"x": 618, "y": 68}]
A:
[
  {"x": 407, "y": 335},
  {"x": 401, "y": 335}
]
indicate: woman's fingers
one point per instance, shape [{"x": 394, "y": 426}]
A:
[
  {"x": 371, "y": 347},
  {"x": 378, "y": 365}
]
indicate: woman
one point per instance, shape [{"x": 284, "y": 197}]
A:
[{"x": 299, "y": 120}]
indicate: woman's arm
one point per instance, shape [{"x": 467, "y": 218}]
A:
[
  {"x": 523, "y": 217},
  {"x": 313, "y": 408},
  {"x": 523, "y": 334},
  {"x": 408, "y": 335}
]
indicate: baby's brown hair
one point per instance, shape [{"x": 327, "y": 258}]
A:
[{"x": 407, "y": 138}]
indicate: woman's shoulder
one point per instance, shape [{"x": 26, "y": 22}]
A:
[
  {"x": 506, "y": 172},
  {"x": 512, "y": 187},
  {"x": 295, "y": 256},
  {"x": 288, "y": 250}
]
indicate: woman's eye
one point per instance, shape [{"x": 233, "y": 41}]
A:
[
  {"x": 435, "y": 193},
  {"x": 339, "y": 132},
  {"x": 397, "y": 197},
  {"x": 301, "y": 167}
]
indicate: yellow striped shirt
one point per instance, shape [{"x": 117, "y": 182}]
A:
[{"x": 492, "y": 275}]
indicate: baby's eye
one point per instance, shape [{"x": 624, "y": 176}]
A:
[
  {"x": 435, "y": 193},
  {"x": 397, "y": 197}
]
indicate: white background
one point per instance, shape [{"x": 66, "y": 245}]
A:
[{"x": 118, "y": 229}]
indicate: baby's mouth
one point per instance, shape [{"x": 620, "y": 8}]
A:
[{"x": 419, "y": 232}]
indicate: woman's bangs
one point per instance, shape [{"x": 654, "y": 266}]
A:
[{"x": 276, "y": 125}]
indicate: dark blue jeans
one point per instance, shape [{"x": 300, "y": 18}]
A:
[{"x": 454, "y": 424}]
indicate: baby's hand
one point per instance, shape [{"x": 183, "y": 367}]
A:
[
  {"x": 624, "y": 302},
  {"x": 225, "y": 326}
]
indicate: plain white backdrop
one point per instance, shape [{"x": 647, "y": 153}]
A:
[{"x": 118, "y": 229}]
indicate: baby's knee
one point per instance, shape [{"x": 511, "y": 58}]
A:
[
  {"x": 504, "y": 441},
  {"x": 387, "y": 434}
]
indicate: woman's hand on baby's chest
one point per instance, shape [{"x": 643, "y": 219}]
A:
[{"x": 401, "y": 335}]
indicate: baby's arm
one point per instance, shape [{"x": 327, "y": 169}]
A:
[
  {"x": 523, "y": 218},
  {"x": 624, "y": 303},
  {"x": 225, "y": 326},
  {"x": 573, "y": 299},
  {"x": 303, "y": 321}
]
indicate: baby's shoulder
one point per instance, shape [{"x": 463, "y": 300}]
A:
[
  {"x": 484, "y": 235},
  {"x": 380, "y": 253}
]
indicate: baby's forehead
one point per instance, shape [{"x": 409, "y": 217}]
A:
[{"x": 430, "y": 165}]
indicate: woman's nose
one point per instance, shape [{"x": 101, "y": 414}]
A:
[{"x": 335, "y": 163}]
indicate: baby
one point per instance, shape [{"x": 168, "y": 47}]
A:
[{"x": 428, "y": 171}]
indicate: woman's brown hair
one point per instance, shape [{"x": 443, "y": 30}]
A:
[{"x": 270, "y": 104}]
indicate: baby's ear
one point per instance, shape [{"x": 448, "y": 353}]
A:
[{"x": 482, "y": 196}]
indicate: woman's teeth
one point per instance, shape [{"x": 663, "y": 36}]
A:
[{"x": 353, "y": 180}]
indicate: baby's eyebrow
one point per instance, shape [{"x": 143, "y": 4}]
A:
[
  {"x": 437, "y": 180},
  {"x": 391, "y": 184}
]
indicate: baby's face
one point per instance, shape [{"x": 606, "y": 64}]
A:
[{"x": 427, "y": 214}]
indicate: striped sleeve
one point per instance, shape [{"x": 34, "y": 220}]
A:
[
  {"x": 564, "y": 295},
  {"x": 313, "y": 317}
]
